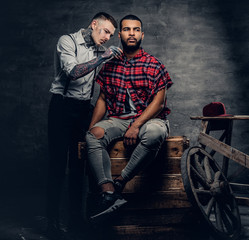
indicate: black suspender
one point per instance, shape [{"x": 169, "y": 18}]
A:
[
  {"x": 95, "y": 70},
  {"x": 69, "y": 79}
]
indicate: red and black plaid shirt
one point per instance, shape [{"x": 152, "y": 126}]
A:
[{"x": 143, "y": 75}]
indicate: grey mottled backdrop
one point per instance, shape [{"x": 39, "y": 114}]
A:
[{"x": 203, "y": 43}]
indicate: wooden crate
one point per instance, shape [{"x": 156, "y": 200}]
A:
[
  {"x": 172, "y": 147},
  {"x": 154, "y": 195}
]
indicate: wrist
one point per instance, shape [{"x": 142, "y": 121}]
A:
[
  {"x": 102, "y": 58},
  {"x": 107, "y": 54},
  {"x": 135, "y": 125}
]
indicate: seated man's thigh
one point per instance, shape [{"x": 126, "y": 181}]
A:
[
  {"x": 109, "y": 130},
  {"x": 154, "y": 131}
]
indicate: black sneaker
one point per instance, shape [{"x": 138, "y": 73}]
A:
[
  {"x": 119, "y": 185},
  {"x": 109, "y": 202}
]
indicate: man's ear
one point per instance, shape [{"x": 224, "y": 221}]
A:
[
  {"x": 119, "y": 35},
  {"x": 142, "y": 36},
  {"x": 94, "y": 24}
]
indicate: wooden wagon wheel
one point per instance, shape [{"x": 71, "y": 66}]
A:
[{"x": 209, "y": 191}]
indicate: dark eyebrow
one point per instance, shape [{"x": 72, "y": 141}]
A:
[
  {"x": 135, "y": 28},
  {"x": 107, "y": 30}
]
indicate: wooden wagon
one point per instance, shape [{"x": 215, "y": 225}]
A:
[{"x": 205, "y": 180}]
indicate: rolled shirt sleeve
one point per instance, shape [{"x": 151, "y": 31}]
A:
[
  {"x": 162, "y": 79},
  {"x": 67, "y": 53}
]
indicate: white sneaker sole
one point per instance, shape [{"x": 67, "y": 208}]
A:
[{"x": 114, "y": 207}]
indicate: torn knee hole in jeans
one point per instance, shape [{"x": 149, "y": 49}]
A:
[
  {"x": 97, "y": 132},
  {"x": 110, "y": 135}
]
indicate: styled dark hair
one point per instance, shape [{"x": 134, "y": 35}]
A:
[
  {"x": 105, "y": 16},
  {"x": 130, "y": 17}
]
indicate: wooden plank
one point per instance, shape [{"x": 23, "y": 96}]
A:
[
  {"x": 204, "y": 125},
  {"x": 224, "y": 149},
  {"x": 81, "y": 149},
  {"x": 232, "y": 117},
  {"x": 146, "y": 201},
  {"x": 158, "y": 166},
  {"x": 118, "y": 150},
  {"x": 244, "y": 201},
  {"x": 188, "y": 231},
  {"x": 137, "y": 232},
  {"x": 172, "y": 147},
  {"x": 154, "y": 217},
  {"x": 117, "y": 165},
  {"x": 164, "y": 182},
  {"x": 157, "y": 200},
  {"x": 166, "y": 165},
  {"x": 239, "y": 187}
]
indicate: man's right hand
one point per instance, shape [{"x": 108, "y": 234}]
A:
[
  {"x": 131, "y": 136},
  {"x": 112, "y": 51}
]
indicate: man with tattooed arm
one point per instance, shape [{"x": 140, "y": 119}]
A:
[{"x": 78, "y": 58}]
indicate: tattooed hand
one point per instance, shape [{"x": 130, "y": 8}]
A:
[
  {"x": 82, "y": 69},
  {"x": 112, "y": 51}
]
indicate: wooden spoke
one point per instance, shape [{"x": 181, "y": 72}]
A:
[
  {"x": 217, "y": 176},
  {"x": 199, "y": 177},
  {"x": 218, "y": 217},
  {"x": 202, "y": 191},
  {"x": 210, "y": 206},
  {"x": 230, "y": 213},
  {"x": 207, "y": 169},
  {"x": 226, "y": 221},
  {"x": 198, "y": 166}
]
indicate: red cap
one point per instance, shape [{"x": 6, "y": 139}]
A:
[{"x": 215, "y": 109}]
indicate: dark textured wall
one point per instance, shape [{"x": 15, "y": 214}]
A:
[{"x": 204, "y": 45}]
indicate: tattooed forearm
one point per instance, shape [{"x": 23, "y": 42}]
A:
[{"x": 83, "y": 69}]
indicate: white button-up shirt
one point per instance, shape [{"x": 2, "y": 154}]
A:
[{"x": 68, "y": 54}]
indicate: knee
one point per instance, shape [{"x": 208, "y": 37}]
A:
[
  {"x": 97, "y": 132},
  {"x": 93, "y": 136},
  {"x": 155, "y": 135}
]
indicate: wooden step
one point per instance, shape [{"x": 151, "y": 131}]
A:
[
  {"x": 147, "y": 232},
  {"x": 172, "y": 147},
  {"x": 145, "y": 201},
  {"x": 152, "y": 183},
  {"x": 188, "y": 230},
  {"x": 153, "y": 217},
  {"x": 157, "y": 200},
  {"x": 138, "y": 232},
  {"x": 159, "y": 165}
]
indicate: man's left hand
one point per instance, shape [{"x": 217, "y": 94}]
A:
[{"x": 130, "y": 137}]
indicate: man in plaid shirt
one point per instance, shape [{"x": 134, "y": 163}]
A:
[{"x": 133, "y": 90}]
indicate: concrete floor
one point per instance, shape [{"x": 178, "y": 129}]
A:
[{"x": 22, "y": 217}]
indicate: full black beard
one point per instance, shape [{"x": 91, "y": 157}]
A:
[{"x": 129, "y": 49}]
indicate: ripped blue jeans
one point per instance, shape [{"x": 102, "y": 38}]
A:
[{"x": 151, "y": 136}]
